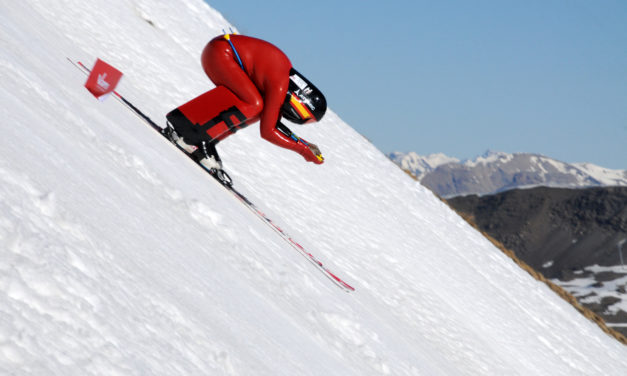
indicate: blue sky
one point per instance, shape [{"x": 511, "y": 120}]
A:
[{"x": 461, "y": 77}]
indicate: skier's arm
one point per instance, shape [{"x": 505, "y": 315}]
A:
[
  {"x": 269, "y": 128},
  {"x": 311, "y": 154}
]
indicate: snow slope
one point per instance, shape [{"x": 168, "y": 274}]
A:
[{"x": 118, "y": 256}]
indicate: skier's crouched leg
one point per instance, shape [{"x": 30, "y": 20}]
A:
[{"x": 212, "y": 116}]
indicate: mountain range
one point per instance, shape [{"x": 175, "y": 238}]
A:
[{"x": 495, "y": 172}]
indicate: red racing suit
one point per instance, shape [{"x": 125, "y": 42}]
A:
[{"x": 243, "y": 95}]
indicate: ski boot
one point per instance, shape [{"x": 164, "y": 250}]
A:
[
  {"x": 207, "y": 156},
  {"x": 169, "y": 133}
]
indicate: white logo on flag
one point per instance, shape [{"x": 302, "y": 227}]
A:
[{"x": 101, "y": 81}]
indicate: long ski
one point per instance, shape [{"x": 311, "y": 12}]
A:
[{"x": 229, "y": 187}]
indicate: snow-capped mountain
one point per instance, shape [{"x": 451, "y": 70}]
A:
[
  {"x": 496, "y": 171},
  {"x": 419, "y": 165},
  {"x": 604, "y": 176},
  {"x": 119, "y": 256}
]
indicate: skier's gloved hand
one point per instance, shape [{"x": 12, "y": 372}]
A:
[
  {"x": 315, "y": 149},
  {"x": 311, "y": 152}
]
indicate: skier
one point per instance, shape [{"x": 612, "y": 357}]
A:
[{"x": 254, "y": 81}]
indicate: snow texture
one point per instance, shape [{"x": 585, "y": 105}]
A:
[{"x": 119, "y": 256}]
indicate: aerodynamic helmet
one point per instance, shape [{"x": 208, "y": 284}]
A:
[{"x": 304, "y": 103}]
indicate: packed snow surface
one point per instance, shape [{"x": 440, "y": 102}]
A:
[{"x": 121, "y": 257}]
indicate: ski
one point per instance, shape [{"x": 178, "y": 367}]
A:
[{"x": 227, "y": 184}]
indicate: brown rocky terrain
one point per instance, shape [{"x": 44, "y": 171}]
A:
[{"x": 571, "y": 236}]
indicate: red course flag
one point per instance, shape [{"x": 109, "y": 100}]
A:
[{"x": 103, "y": 79}]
